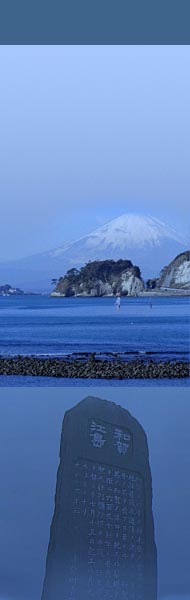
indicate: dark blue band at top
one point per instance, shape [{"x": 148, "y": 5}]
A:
[{"x": 94, "y": 22}]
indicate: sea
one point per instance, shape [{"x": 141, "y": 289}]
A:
[{"x": 156, "y": 328}]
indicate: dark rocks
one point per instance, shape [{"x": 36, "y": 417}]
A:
[{"x": 92, "y": 368}]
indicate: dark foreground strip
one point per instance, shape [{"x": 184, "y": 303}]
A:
[{"x": 93, "y": 369}]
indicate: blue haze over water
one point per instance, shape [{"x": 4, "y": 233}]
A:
[{"x": 44, "y": 326}]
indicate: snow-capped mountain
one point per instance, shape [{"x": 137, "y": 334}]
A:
[
  {"x": 148, "y": 242},
  {"x": 130, "y": 231}
]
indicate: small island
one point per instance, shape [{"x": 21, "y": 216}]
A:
[
  {"x": 9, "y": 290},
  {"x": 101, "y": 278}
]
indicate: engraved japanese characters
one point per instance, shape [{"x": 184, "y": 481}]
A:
[{"x": 102, "y": 534}]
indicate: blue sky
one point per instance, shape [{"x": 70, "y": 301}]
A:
[{"x": 88, "y": 133}]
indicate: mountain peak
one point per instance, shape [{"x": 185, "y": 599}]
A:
[{"x": 133, "y": 230}]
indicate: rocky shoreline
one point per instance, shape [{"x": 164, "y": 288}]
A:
[{"x": 92, "y": 368}]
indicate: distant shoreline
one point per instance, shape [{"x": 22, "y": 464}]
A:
[
  {"x": 148, "y": 294},
  {"x": 93, "y": 369}
]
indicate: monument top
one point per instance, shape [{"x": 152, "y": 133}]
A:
[{"x": 96, "y": 423}]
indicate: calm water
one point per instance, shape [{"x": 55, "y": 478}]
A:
[{"x": 39, "y": 325}]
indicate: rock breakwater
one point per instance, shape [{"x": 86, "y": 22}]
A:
[{"x": 92, "y": 368}]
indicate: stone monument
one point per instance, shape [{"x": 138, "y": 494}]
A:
[{"x": 102, "y": 534}]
